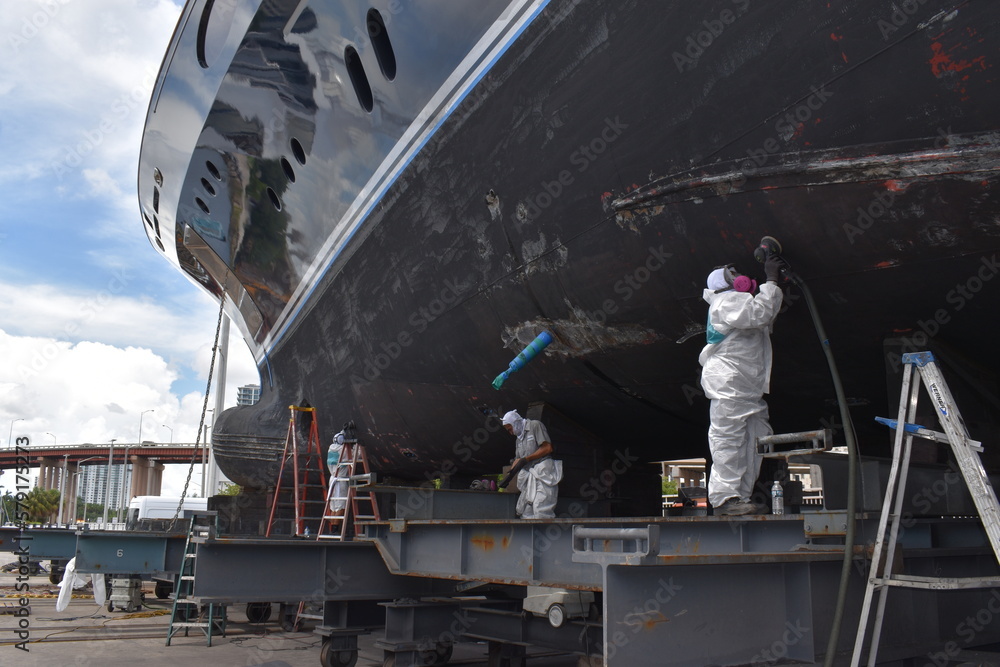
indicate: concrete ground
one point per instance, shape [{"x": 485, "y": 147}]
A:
[{"x": 85, "y": 635}]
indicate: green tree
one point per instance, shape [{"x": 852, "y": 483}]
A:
[
  {"x": 668, "y": 486},
  {"x": 90, "y": 511},
  {"x": 230, "y": 489},
  {"x": 41, "y": 504},
  {"x": 9, "y": 508}
]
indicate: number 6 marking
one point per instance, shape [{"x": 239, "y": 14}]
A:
[{"x": 121, "y": 552}]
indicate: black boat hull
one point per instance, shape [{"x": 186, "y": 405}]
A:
[{"x": 586, "y": 184}]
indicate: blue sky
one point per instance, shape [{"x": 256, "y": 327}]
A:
[{"x": 95, "y": 328}]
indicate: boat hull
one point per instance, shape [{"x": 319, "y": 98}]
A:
[{"x": 604, "y": 162}]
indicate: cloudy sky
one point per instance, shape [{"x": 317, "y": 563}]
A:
[{"x": 94, "y": 327}]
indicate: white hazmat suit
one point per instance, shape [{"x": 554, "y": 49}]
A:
[
  {"x": 736, "y": 373},
  {"x": 539, "y": 479}
]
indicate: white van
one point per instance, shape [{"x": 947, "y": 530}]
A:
[{"x": 160, "y": 507}]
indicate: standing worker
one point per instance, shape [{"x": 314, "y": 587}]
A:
[
  {"x": 338, "y": 476},
  {"x": 736, "y": 373},
  {"x": 539, "y": 477}
]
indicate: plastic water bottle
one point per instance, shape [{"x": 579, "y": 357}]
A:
[{"x": 777, "y": 498}]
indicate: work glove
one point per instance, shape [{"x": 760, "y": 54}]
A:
[{"x": 773, "y": 267}]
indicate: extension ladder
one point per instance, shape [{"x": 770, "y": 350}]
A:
[
  {"x": 185, "y": 608},
  {"x": 304, "y": 492},
  {"x": 966, "y": 455},
  {"x": 343, "y": 491}
]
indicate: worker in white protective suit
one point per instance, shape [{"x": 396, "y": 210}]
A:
[
  {"x": 539, "y": 479},
  {"x": 736, "y": 373},
  {"x": 339, "y": 475}
]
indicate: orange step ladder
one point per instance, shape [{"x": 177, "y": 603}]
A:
[{"x": 308, "y": 478}]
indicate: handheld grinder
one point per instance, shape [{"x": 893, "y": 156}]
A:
[{"x": 770, "y": 247}]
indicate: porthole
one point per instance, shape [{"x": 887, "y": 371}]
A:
[
  {"x": 159, "y": 243},
  {"x": 148, "y": 221},
  {"x": 156, "y": 200},
  {"x": 273, "y": 196},
  {"x": 213, "y": 30},
  {"x": 298, "y": 152},
  {"x": 157, "y": 176},
  {"x": 356, "y": 70},
  {"x": 213, "y": 170},
  {"x": 209, "y": 188},
  {"x": 156, "y": 225},
  {"x": 286, "y": 167},
  {"x": 201, "y": 204},
  {"x": 382, "y": 45}
]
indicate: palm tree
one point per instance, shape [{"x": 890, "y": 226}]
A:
[{"x": 41, "y": 504}]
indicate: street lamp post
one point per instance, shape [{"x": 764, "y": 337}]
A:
[
  {"x": 171, "y": 433},
  {"x": 62, "y": 477},
  {"x": 62, "y": 487},
  {"x": 206, "y": 453},
  {"x": 10, "y": 433},
  {"x": 72, "y": 477},
  {"x": 125, "y": 491},
  {"x": 107, "y": 484}
]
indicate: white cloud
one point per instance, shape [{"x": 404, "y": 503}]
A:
[
  {"x": 83, "y": 359},
  {"x": 98, "y": 58},
  {"x": 103, "y": 185}
]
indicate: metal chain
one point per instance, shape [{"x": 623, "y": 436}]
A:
[{"x": 204, "y": 410}]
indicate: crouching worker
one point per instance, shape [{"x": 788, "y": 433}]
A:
[
  {"x": 736, "y": 373},
  {"x": 539, "y": 477}
]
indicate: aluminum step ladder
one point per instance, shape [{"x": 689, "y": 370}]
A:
[
  {"x": 966, "y": 450},
  {"x": 305, "y": 493},
  {"x": 186, "y": 613},
  {"x": 343, "y": 491}
]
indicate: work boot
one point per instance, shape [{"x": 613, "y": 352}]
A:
[{"x": 736, "y": 507}]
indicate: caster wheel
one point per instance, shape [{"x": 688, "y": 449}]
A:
[
  {"x": 111, "y": 605},
  {"x": 162, "y": 590},
  {"x": 129, "y": 607},
  {"x": 331, "y": 657},
  {"x": 556, "y": 615},
  {"x": 258, "y": 612}
]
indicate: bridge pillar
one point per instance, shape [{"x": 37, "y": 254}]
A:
[
  {"x": 147, "y": 476},
  {"x": 48, "y": 473}
]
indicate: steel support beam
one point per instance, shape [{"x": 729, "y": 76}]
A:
[
  {"x": 298, "y": 570},
  {"x": 121, "y": 552}
]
